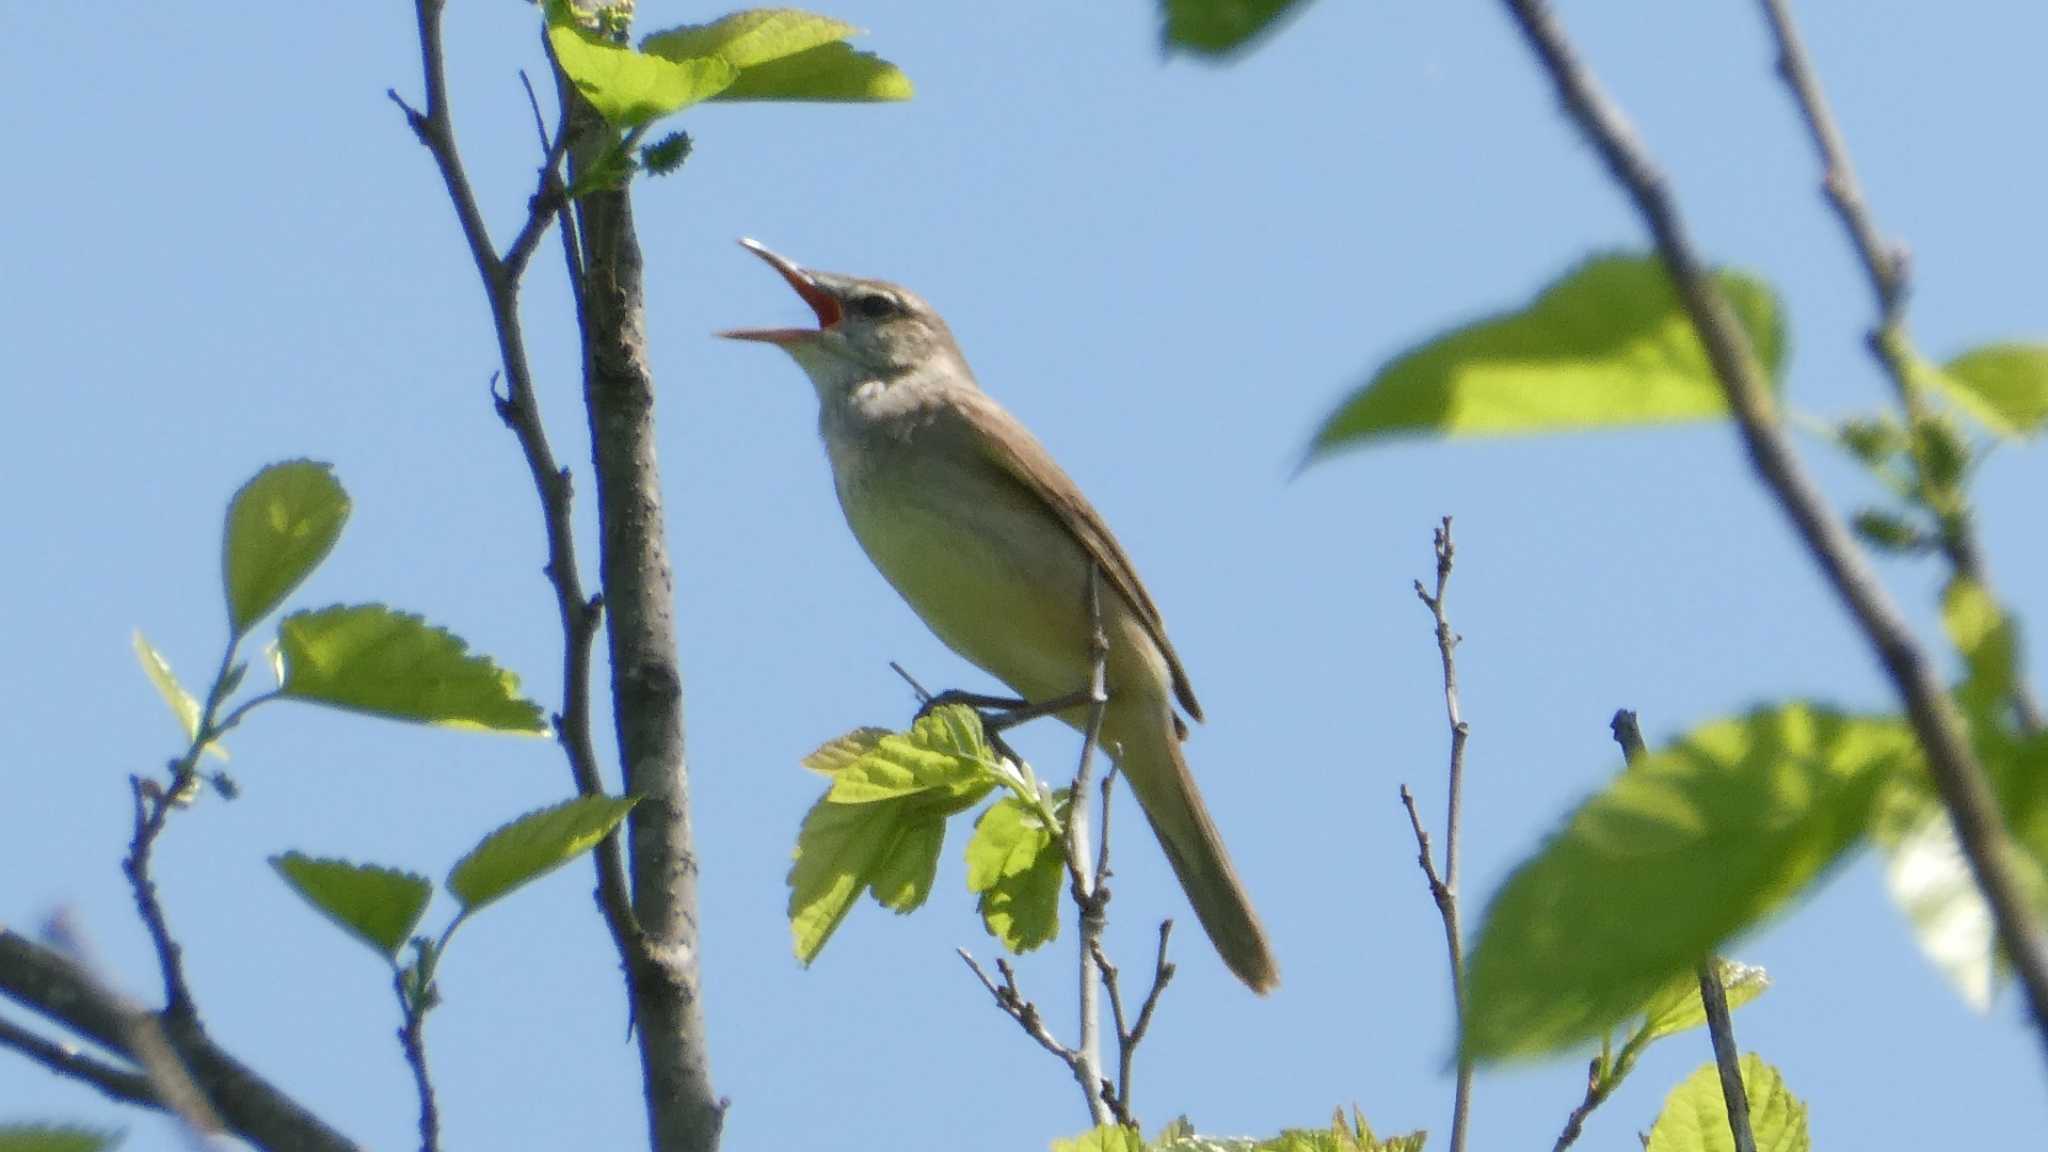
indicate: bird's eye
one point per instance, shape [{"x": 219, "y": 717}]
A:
[{"x": 875, "y": 306}]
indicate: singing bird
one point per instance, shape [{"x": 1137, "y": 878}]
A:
[{"x": 976, "y": 527}]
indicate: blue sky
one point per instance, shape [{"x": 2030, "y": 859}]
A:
[{"x": 223, "y": 248}]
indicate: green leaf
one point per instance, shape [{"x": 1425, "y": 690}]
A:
[
  {"x": 533, "y": 846},
  {"x": 1608, "y": 344},
  {"x": 52, "y": 1138},
  {"x": 1892, "y": 532},
  {"x": 785, "y": 54},
  {"x": 1108, "y": 1138},
  {"x": 368, "y": 658},
  {"x": 1688, "y": 847},
  {"x": 1695, "y": 1116},
  {"x": 845, "y": 849},
  {"x": 1018, "y": 866},
  {"x": 183, "y": 707},
  {"x": 902, "y": 877},
  {"x": 842, "y": 751},
  {"x": 945, "y": 757},
  {"x": 1931, "y": 883},
  {"x": 378, "y": 906},
  {"x": 2005, "y": 386},
  {"x": 1219, "y": 27},
  {"x": 1676, "y": 1007},
  {"x": 829, "y": 73},
  {"x": 630, "y": 88},
  {"x": 750, "y": 38},
  {"x": 280, "y": 525},
  {"x": 1981, "y": 632}
]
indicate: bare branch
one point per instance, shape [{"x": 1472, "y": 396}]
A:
[
  {"x": 685, "y": 1114},
  {"x": 412, "y": 1038},
  {"x": 1129, "y": 1037},
  {"x": 46, "y": 982},
  {"x": 1443, "y": 887},
  {"x": 580, "y": 615},
  {"x": 1026, "y": 1014},
  {"x": 1091, "y": 895},
  {"x": 1958, "y": 777},
  {"x": 1628, "y": 733},
  {"x": 66, "y": 1060},
  {"x": 1597, "y": 1090},
  {"x": 1889, "y": 271},
  {"x": 152, "y": 808}
]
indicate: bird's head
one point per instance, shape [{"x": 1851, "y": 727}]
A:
[{"x": 867, "y": 329}]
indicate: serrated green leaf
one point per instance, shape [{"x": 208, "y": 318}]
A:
[
  {"x": 902, "y": 876},
  {"x": 54, "y": 1138},
  {"x": 626, "y": 87},
  {"x": 1695, "y": 1115},
  {"x": 368, "y": 658},
  {"x": 1980, "y": 631},
  {"x": 1677, "y": 1008},
  {"x": 750, "y": 38},
  {"x": 829, "y": 73},
  {"x": 2005, "y": 386},
  {"x": 839, "y": 851},
  {"x": 1930, "y": 881},
  {"x": 945, "y": 759},
  {"x": 1108, "y": 1138},
  {"x": 841, "y": 751},
  {"x": 1220, "y": 27},
  {"x": 1609, "y": 344},
  {"x": 280, "y": 525},
  {"x": 1690, "y": 846},
  {"x": 184, "y": 708},
  {"x": 533, "y": 846},
  {"x": 379, "y": 906},
  {"x": 1018, "y": 866}
]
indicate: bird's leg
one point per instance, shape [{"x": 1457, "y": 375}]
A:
[
  {"x": 1003, "y": 705},
  {"x": 1024, "y": 711}
]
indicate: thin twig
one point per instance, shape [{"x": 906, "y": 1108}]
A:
[
  {"x": 1026, "y": 1014},
  {"x": 152, "y": 808},
  {"x": 1958, "y": 777},
  {"x": 66, "y": 1060},
  {"x": 1628, "y": 733},
  {"x": 1597, "y": 1090},
  {"x": 1443, "y": 887},
  {"x": 1091, "y": 895},
  {"x": 1727, "y": 1058},
  {"x": 1128, "y": 1037},
  {"x": 412, "y": 1038},
  {"x": 580, "y": 615},
  {"x": 49, "y": 983},
  {"x": 1889, "y": 271}
]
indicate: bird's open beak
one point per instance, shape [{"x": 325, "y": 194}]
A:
[{"x": 822, "y": 302}]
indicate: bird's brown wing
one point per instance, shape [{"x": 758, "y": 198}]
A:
[{"x": 1011, "y": 447}]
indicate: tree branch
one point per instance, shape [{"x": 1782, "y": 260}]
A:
[
  {"x": 152, "y": 808},
  {"x": 1091, "y": 894},
  {"x": 42, "y": 980},
  {"x": 684, "y": 1113},
  {"x": 1129, "y": 1037},
  {"x": 579, "y": 615},
  {"x": 66, "y": 1060},
  {"x": 1443, "y": 888},
  {"x": 1628, "y": 733},
  {"x": 1958, "y": 777},
  {"x": 1890, "y": 274},
  {"x": 413, "y": 1039}
]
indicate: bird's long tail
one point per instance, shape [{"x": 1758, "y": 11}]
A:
[{"x": 1152, "y": 763}]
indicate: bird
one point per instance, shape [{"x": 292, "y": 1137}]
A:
[{"x": 968, "y": 517}]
